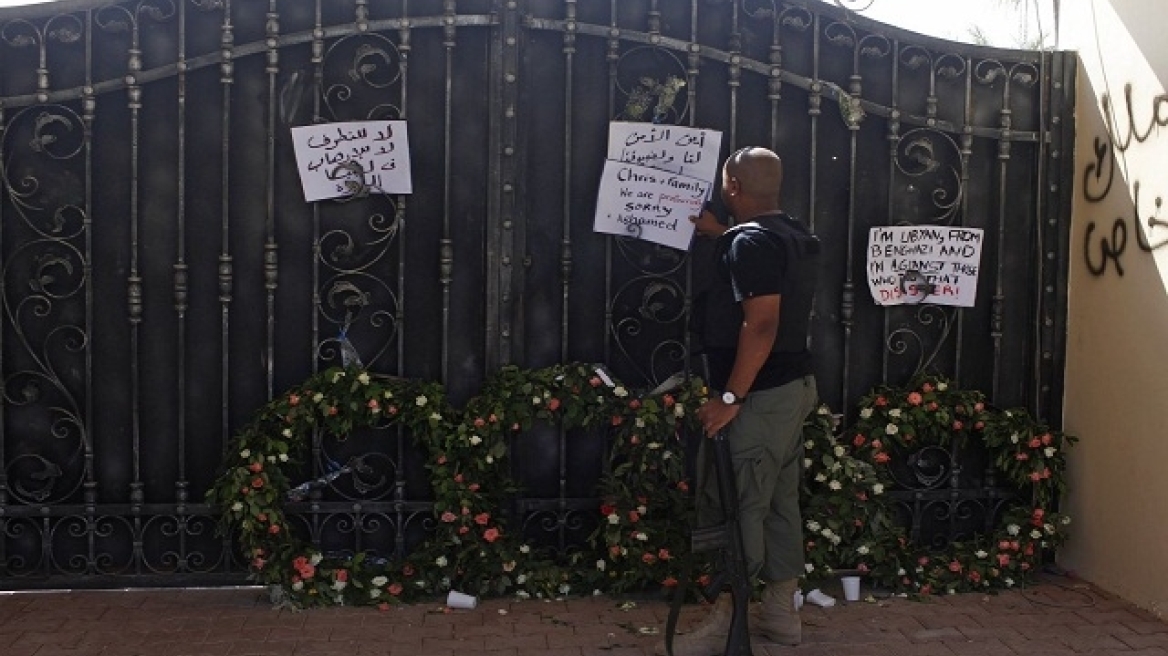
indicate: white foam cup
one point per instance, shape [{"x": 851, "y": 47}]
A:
[
  {"x": 460, "y": 600},
  {"x": 851, "y": 586}
]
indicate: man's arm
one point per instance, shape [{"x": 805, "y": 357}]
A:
[{"x": 760, "y": 327}]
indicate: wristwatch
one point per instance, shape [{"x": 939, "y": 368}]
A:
[{"x": 730, "y": 398}]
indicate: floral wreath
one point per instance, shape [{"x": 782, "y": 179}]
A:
[
  {"x": 642, "y": 536},
  {"x": 849, "y": 523},
  {"x": 471, "y": 547}
]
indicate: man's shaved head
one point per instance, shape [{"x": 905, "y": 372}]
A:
[{"x": 759, "y": 172}]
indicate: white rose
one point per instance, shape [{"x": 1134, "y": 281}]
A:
[
  {"x": 237, "y": 506},
  {"x": 245, "y": 454},
  {"x": 1013, "y": 529},
  {"x": 641, "y": 537},
  {"x": 809, "y": 567},
  {"x": 283, "y": 457},
  {"x": 421, "y": 401},
  {"x": 521, "y": 579},
  {"x": 1049, "y": 451},
  {"x": 839, "y": 451},
  {"x": 601, "y": 565},
  {"x": 835, "y": 485},
  {"x": 878, "y": 488},
  {"x": 807, "y": 463},
  {"x": 317, "y": 398},
  {"x": 980, "y": 553},
  {"x": 436, "y": 416},
  {"x": 620, "y": 392},
  {"x": 894, "y": 413},
  {"x": 374, "y": 593},
  {"x": 1049, "y": 528},
  {"x": 809, "y": 444},
  {"x": 565, "y": 589},
  {"x": 524, "y": 549},
  {"x": 1036, "y": 534},
  {"x": 614, "y": 519},
  {"x": 901, "y": 572},
  {"x": 298, "y": 586},
  {"x": 315, "y": 559},
  {"x": 440, "y": 561},
  {"x": 891, "y": 429},
  {"x": 866, "y": 413},
  {"x": 475, "y": 440},
  {"x": 1065, "y": 520},
  {"x": 679, "y": 411},
  {"x": 862, "y": 550},
  {"x": 287, "y": 432},
  {"x": 941, "y": 387},
  {"x": 380, "y": 581},
  {"x": 653, "y": 446},
  {"x": 339, "y": 585},
  {"x": 1014, "y": 437},
  {"x": 338, "y": 375},
  {"x": 812, "y": 525},
  {"x": 1009, "y": 582},
  {"x": 535, "y": 400},
  {"x": 640, "y": 422},
  {"x": 642, "y": 510},
  {"x": 490, "y": 460},
  {"x": 820, "y": 477},
  {"x": 363, "y": 378},
  {"x": 523, "y": 594}
]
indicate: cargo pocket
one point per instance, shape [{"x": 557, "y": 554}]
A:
[{"x": 750, "y": 470}]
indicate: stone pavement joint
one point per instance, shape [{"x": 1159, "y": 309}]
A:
[{"x": 1058, "y": 617}]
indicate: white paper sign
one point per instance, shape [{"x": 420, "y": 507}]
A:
[
  {"x": 924, "y": 264},
  {"x": 333, "y": 158},
  {"x": 637, "y": 201},
  {"x": 689, "y": 151}
]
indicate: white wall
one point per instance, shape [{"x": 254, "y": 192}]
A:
[{"x": 1117, "y": 369}]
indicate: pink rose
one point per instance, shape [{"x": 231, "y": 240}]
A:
[{"x": 491, "y": 534}]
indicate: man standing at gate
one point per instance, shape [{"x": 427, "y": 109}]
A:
[{"x": 754, "y": 330}]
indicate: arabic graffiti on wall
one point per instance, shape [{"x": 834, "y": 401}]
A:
[{"x": 1123, "y": 132}]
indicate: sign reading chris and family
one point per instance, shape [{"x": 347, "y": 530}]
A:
[
  {"x": 924, "y": 264},
  {"x": 345, "y": 159},
  {"x": 655, "y": 178}
]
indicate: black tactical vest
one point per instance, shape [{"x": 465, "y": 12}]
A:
[{"x": 718, "y": 315}]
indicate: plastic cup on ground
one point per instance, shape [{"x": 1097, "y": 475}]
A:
[
  {"x": 851, "y": 585},
  {"x": 460, "y": 600}
]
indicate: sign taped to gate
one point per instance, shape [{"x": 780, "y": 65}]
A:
[
  {"x": 676, "y": 148},
  {"x": 924, "y": 264},
  {"x": 655, "y": 178},
  {"x": 637, "y": 201},
  {"x": 354, "y": 158}
]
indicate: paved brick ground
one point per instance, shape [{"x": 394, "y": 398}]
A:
[{"x": 1055, "y": 618}]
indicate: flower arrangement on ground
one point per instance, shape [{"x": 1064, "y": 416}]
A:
[
  {"x": 641, "y": 539},
  {"x": 931, "y": 412}
]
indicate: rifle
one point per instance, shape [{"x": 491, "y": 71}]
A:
[{"x": 726, "y": 540}]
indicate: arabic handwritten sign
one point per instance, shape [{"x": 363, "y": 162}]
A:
[
  {"x": 341, "y": 159},
  {"x": 637, "y": 201},
  {"x": 689, "y": 151},
  {"x": 924, "y": 264}
]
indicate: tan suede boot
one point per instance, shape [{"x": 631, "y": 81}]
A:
[
  {"x": 708, "y": 638},
  {"x": 777, "y": 619}
]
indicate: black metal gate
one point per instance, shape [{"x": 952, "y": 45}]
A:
[{"x": 163, "y": 276}]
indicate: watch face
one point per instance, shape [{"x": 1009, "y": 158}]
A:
[{"x": 729, "y": 398}]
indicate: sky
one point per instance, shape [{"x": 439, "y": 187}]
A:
[{"x": 948, "y": 19}]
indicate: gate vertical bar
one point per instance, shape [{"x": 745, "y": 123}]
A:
[
  {"x": 225, "y": 273},
  {"x": 446, "y": 245},
  {"x": 566, "y": 208},
  {"x": 180, "y": 285},
  {"x": 271, "y": 272},
  {"x": 505, "y": 232}
]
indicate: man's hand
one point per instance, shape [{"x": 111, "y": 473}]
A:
[
  {"x": 707, "y": 224},
  {"x": 716, "y": 415}
]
